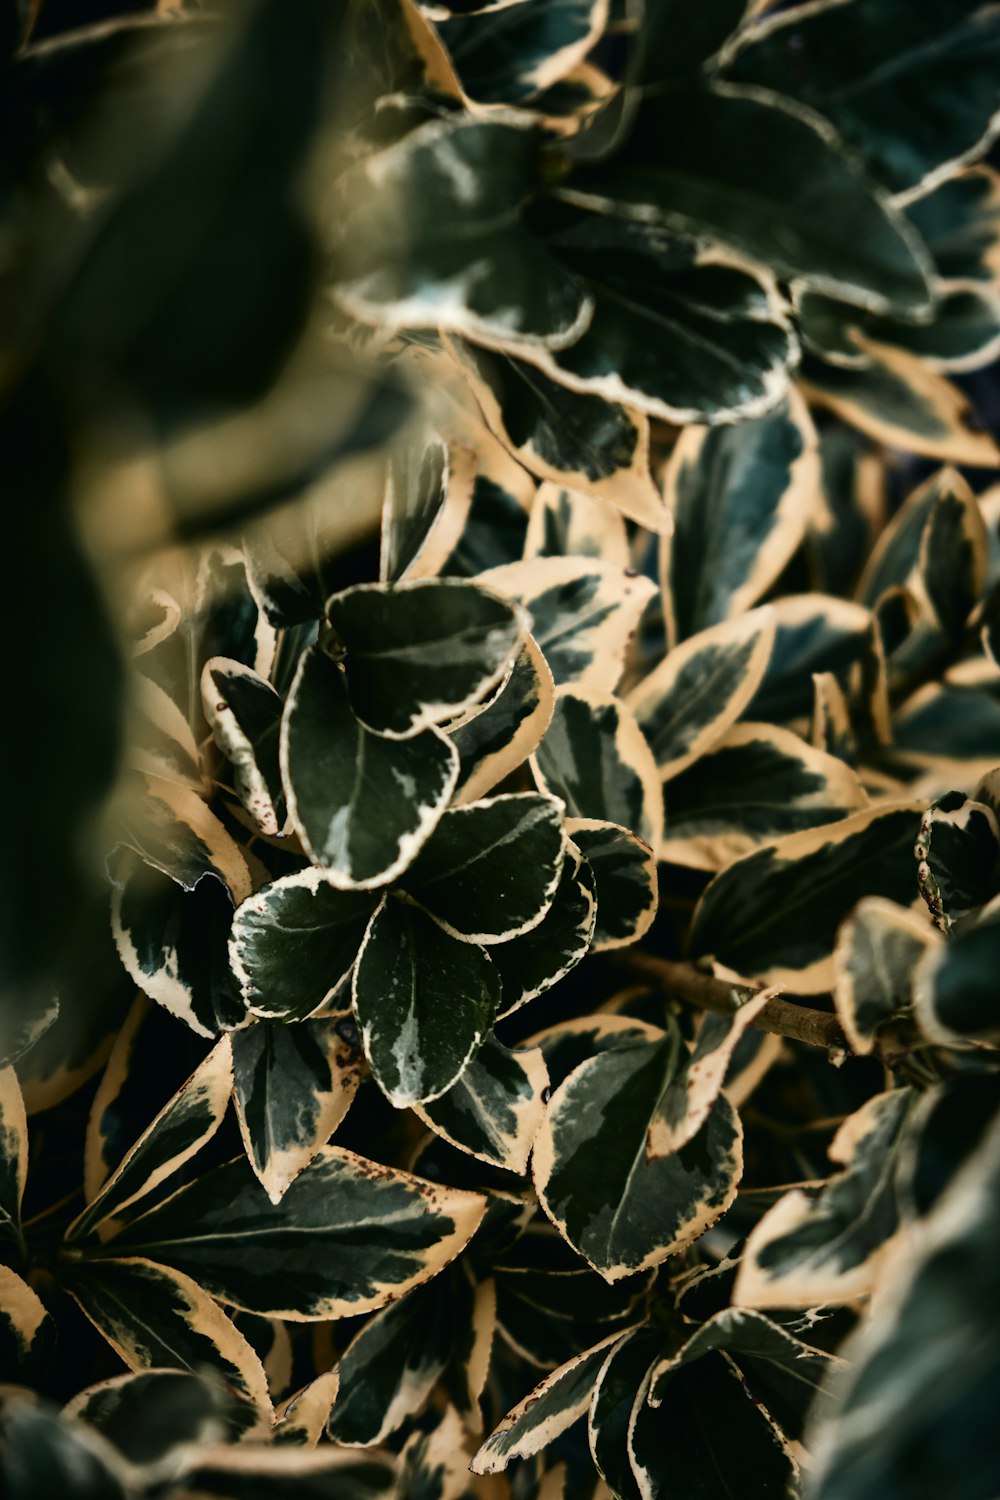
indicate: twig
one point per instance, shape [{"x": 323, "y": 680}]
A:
[{"x": 799, "y": 1023}]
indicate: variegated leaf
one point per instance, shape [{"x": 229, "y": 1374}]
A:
[
  {"x": 878, "y": 949},
  {"x": 502, "y": 736},
  {"x": 584, "y": 613},
  {"x": 495, "y": 1108},
  {"x": 701, "y": 688},
  {"x": 775, "y": 913},
  {"x": 27, "y": 1332},
  {"x": 552, "y": 1407},
  {"x": 244, "y": 713},
  {"x": 596, "y": 758},
  {"x": 828, "y": 1245},
  {"x": 13, "y": 1155},
  {"x": 390, "y": 1367},
  {"x": 490, "y": 870},
  {"x": 299, "y": 1259},
  {"x": 154, "y": 1316},
  {"x": 758, "y": 783},
  {"x": 622, "y": 1212},
  {"x": 425, "y": 1003},
  {"x": 597, "y": 447},
  {"x": 419, "y": 653},
  {"x": 532, "y": 964},
  {"x": 180, "y": 1129},
  {"x": 624, "y": 871},
  {"x": 294, "y": 942},
  {"x": 293, "y": 1084},
  {"x": 363, "y": 830}
]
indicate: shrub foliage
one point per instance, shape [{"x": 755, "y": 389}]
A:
[{"x": 502, "y": 910}]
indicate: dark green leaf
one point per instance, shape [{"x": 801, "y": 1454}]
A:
[
  {"x": 424, "y": 1002},
  {"x": 675, "y": 1452},
  {"x": 955, "y": 1000},
  {"x": 755, "y": 171},
  {"x": 244, "y": 713},
  {"x": 584, "y": 613},
  {"x": 624, "y": 870},
  {"x": 958, "y": 858},
  {"x": 758, "y": 783},
  {"x": 495, "y": 1108},
  {"x": 497, "y": 740},
  {"x": 701, "y": 688},
  {"x": 388, "y": 1369},
  {"x": 679, "y": 339},
  {"x": 448, "y": 197},
  {"x": 293, "y": 1084},
  {"x": 362, "y": 804},
  {"x": 930, "y": 1361},
  {"x": 622, "y": 1212},
  {"x": 598, "y": 447},
  {"x": 775, "y": 913},
  {"x": 490, "y": 870},
  {"x": 173, "y": 943},
  {"x": 878, "y": 949},
  {"x": 549, "y": 1409},
  {"x": 180, "y": 1129},
  {"x": 531, "y": 964},
  {"x": 294, "y": 941},
  {"x": 595, "y": 757},
  {"x": 923, "y": 80},
  {"x": 154, "y": 1316},
  {"x": 348, "y": 1236},
  {"x": 741, "y": 497},
  {"x": 421, "y": 652},
  {"x": 826, "y": 1246}
]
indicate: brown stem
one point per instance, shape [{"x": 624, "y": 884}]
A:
[{"x": 799, "y": 1023}]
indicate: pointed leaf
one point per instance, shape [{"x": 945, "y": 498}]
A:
[
  {"x": 501, "y": 737},
  {"x": 568, "y": 437},
  {"x": 620, "y": 1211},
  {"x": 741, "y": 497},
  {"x": 473, "y": 174},
  {"x": 754, "y": 171},
  {"x": 828, "y": 1247},
  {"x": 424, "y": 1001},
  {"x": 775, "y": 913},
  {"x": 180, "y": 1129},
  {"x": 532, "y": 964},
  {"x": 596, "y": 758},
  {"x": 348, "y": 1236},
  {"x": 154, "y": 1316},
  {"x": 758, "y": 783},
  {"x": 27, "y": 1332},
  {"x": 244, "y": 713},
  {"x": 897, "y": 58},
  {"x": 584, "y": 613},
  {"x": 495, "y": 1108},
  {"x": 293, "y": 1084},
  {"x": 549, "y": 1410},
  {"x": 390, "y": 1368},
  {"x": 701, "y": 688},
  {"x": 674, "y": 1452},
  {"x": 878, "y": 948},
  {"x": 687, "y": 1100}
]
